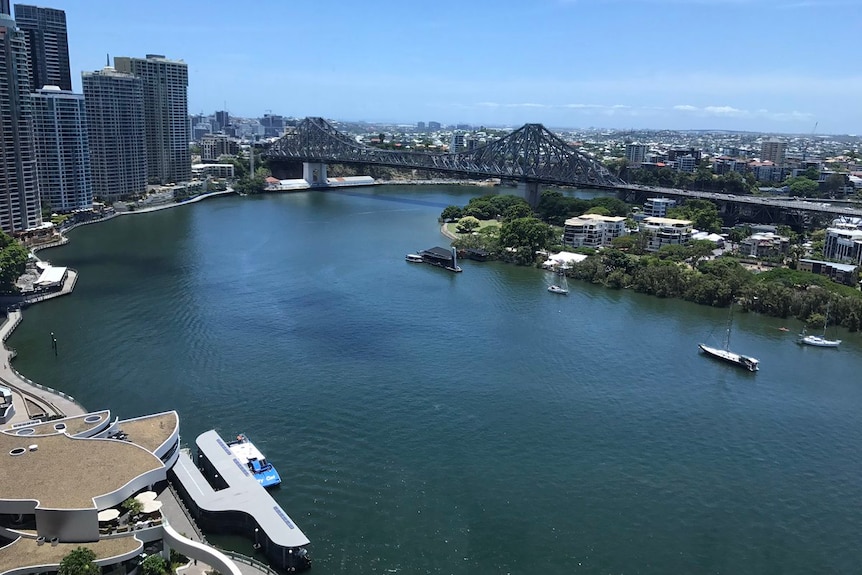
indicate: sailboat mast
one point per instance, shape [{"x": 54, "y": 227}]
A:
[{"x": 729, "y": 327}]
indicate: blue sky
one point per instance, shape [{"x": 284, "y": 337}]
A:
[{"x": 760, "y": 65}]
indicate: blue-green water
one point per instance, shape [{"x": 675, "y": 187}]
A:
[{"x": 428, "y": 422}]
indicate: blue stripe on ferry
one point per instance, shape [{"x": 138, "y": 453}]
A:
[
  {"x": 224, "y": 446},
  {"x": 280, "y": 512},
  {"x": 241, "y": 466}
]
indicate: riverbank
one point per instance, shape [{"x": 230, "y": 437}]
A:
[{"x": 30, "y": 399}]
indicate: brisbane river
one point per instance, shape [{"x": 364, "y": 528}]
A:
[{"x": 473, "y": 423}]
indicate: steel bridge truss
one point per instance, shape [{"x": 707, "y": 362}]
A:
[{"x": 529, "y": 154}]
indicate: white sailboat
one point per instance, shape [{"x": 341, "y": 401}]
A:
[
  {"x": 562, "y": 288},
  {"x": 745, "y": 361},
  {"x": 819, "y": 340}
]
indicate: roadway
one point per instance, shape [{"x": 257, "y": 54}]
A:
[{"x": 786, "y": 203}]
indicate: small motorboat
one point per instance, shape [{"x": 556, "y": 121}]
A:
[
  {"x": 557, "y": 289},
  {"x": 783, "y": 329},
  {"x": 414, "y": 258}
]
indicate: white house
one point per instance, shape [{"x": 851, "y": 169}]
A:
[
  {"x": 593, "y": 230},
  {"x": 665, "y": 232}
]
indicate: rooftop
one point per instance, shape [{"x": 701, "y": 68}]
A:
[
  {"x": 594, "y": 218},
  {"x": 655, "y": 220},
  {"x": 849, "y": 268},
  {"x": 71, "y": 425},
  {"x": 152, "y": 431},
  {"x": 26, "y": 552},
  {"x": 68, "y": 473}
]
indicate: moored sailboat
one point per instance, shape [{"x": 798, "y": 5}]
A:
[
  {"x": 561, "y": 288},
  {"x": 819, "y": 340},
  {"x": 744, "y": 361}
]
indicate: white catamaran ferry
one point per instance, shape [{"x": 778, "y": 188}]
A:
[{"x": 247, "y": 453}]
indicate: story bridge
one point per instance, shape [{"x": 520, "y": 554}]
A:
[{"x": 531, "y": 156}]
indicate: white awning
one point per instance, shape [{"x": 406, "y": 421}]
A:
[
  {"x": 51, "y": 276},
  {"x": 108, "y": 515},
  {"x": 151, "y": 506},
  {"x": 146, "y": 496}
]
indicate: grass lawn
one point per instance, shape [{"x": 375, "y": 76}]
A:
[{"x": 452, "y": 227}]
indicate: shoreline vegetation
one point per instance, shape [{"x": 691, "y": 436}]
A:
[{"x": 508, "y": 230}]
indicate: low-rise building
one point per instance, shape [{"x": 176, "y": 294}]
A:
[
  {"x": 686, "y": 163},
  {"x": 658, "y": 207},
  {"x": 593, "y": 230},
  {"x": 213, "y": 146},
  {"x": 843, "y": 244},
  {"x": 214, "y": 170},
  {"x": 847, "y": 274},
  {"x": 665, "y": 232},
  {"x": 764, "y": 244}
]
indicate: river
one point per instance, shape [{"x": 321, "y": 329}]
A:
[{"x": 430, "y": 422}]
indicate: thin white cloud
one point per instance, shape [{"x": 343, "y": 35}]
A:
[
  {"x": 731, "y": 112},
  {"x": 526, "y": 105}
]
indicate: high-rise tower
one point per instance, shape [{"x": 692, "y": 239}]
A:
[
  {"x": 166, "y": 111},
  {"x": 48, "y": 45},
  {"x": 62, "y": 152},
  {"x": 19, "y": 191},
  {"x": 115, "y": 126}
]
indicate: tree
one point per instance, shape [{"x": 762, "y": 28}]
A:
[
  {"x": 516, "y": 211},
  {"x": 154, "y": 565},
  {"x": 13, "y": 262},
  {"x": 599, "y": 210},
  {"x": 132, "y": 505},
  {"x": 526, "y": 236},
  {"x": 834, "y": 184},
  {"x": 467, "y": 224},
  {"x": 702, "y": 213},
  {"x": 79, "y": 561},
  {"x": 804, "y": 187},
  {"x": 451, "y": 213},
  {"x": 624, "y": 243}
]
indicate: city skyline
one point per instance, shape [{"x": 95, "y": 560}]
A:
[{"x": 777, "y": 66}]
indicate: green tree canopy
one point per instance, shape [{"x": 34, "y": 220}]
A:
[
  {"x": 79, "y": 561},
  {"x": 804, "y": 187},
  {"x": 132, "y": 505},
  {"x": 154, "y": 565},
  {"x": 702, "y": 213},
  {"x": 516, "y": 211},
  {"x": 467, "y": 224},
  {"x": 13, "y": 262},
  {"x": 452, "y": 213},
  {"x": 526, "y": 236},
  {"x": 599, "y": 210}
]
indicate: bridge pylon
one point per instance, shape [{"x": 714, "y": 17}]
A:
[
  {"x": 530, "y": 192},
  {"x": 314, "y": 173}
]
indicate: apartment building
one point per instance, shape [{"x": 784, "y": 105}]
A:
[
  {"x": 593, "y": 230},
  {"x": 636, "y": 153},
  {"x": 62, "y": 149},
  {"x": 658, "y": 207},
  {"x": 665, "y": 232},
  {"x": 166, "y": 110},
  {"x": 47, "y": 46},
  {"x": 114, "y": 103},
  {"x": 843, "y": 244},
  {"x": 20, "y": 209}
]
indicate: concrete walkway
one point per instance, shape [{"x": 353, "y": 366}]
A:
[
  {"x": 29, "y": 397},
  {"x": 178, "y": 517}
]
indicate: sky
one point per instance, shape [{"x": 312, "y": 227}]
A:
[{"x": 782, "y": 66}]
